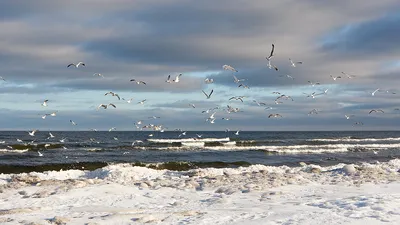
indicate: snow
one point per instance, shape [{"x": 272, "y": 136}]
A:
[{"x": 258, "y": 194}]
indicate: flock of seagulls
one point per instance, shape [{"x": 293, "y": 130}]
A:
[{"x": 212, "y": 112}]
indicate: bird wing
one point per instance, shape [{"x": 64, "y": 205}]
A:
[
  {"x": 205, "y": 93},
  {"x": 143, "y": 82},
  {"x": 71, "y": 64},
  {"x": 272, "y": 52},
  {"x": 211, "y": 92}
]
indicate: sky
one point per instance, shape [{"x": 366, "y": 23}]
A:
[{"x": 150, "y": 39}]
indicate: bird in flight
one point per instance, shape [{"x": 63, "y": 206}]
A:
[
  {"x": 272, "y": 53},
  {"x": 45, "y": 102},
  {"x": 274, "y": 115},
  {"x": 228, "y": 67},
  {"x": 208, "y": 95},
  {"x": 138, "y": 81},
  {"x": 209, "y": 81},
  {"x": 142, "y": 102},
  {"x": 73, "y": 123},
  {"x": 76, "y": 65},
  {"x": 168, "y": 79},
  {"x": 32, "y": 133},
  {"x": 348, "y": 75},
  {"x": 348, "y": 116},
  {"x": 113, "y": 94},
  {"x": 334, "y": 78},
  {"x": 98, "y": 74},
  {"x": 293, "y": 64},
  {"x": 177, "y": 78},
  {"x": 376, "y": 110},
  {"x": 236, "y": 80}
]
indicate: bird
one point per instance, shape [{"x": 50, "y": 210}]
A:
[
  {"x": 208, "y": 95},
  {"x": 288, "y": 76},
  {"x": 142, "y": 102},
  {"x": 63, "y": 140},
  {"x": 275, "y": 92},
  {"x": 373, "y": 93},
  {"x": 177, "y": 78},
  {"x": 376, "y": 110},
  {"x": 209, "y": 80},
  {"x": 272, "y": 53},
  {"x": 192, "y": 105},
  {"x": 223, "y": 118},
  {"x": 113, "y": 94},
  {"x": 358, "y": 123},
  {"x": 40, "y": 154},
  {"x": 259, "y": 103},
  {"x": 76, "y": 65},
  {"x": 237, "y": 132},
  {"x": 199, "y": 135},
  {"x": 154, "y": 117},
  {"x": 102, "y": 106},
  {"x": 334, "y": 78},
  {"x": 237, "y": 98},
  {"x": 138, "y": 81},
  {"x": 293, "y": 64},
  {"x": 111, "y": 104},
  {"x": 244, "y": 86},
  {"x": 111, "y": 129},
  {"x": 348, "y": 75},
  {"x": 53, "y": 113},
  {"x": 313, "y": 84},
  {"x": 51, "y": 135},
  {"x": 168, "y": 79},
  {"x": 274, "y": 115},
  {"x": 228, "y": 67},
  {"x": 270, "y": 66},
  {"x": 314, "y": 111},
  {"x": 45, "y": 102},
  {"x": 236, "y": 80},
  {"x": 348, "y": 116},
  {"x": 73, "y": 123},
  {"x": 183, "y": 133},
  {"x": 44, "y": 116},
  {"x": 98, "y": 74},
  {"x": 32, "y": 133}
]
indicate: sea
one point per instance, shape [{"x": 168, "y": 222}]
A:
[{"x": 90, "y": 150}]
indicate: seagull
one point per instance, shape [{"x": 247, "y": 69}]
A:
[
  {"x": 244, "y": 86},
  {"x": 314, "y": 111},
  {"x": 113, "y": 94},
  {"x": 228, "y": 67},
  {"x": 211, "y": 120},
  {"x": 184, "y": 133},
  {"x": 62, "y": 140},
  {"x": 376, "y": 110},
  {"x": 168, "y": 79},
  {"x": 199, "y": 135},
  {"x": 288, "y": 76},
  {"x": 53, "y": 113},
  {"x": 138, "y": 81},
  {"x": 358, "y": 123},
  {"x": 76, "y": 65},
  {"x": 237, "y": 132},
  {"x": 223, "y": 118},
  {"x": 272, "y": 53},
  {"x": 270, "y": 66},
  {"x": 236, "y": 80},
  {"x": 209, "y": 80},
  {"x": 193, "y": 106},
  {"x": 334, "y": 78},
  {"x": 268, "y": 108},
  {"x": 32, "y": 133},
  {"x": 51, "y": 135},
  {"x": 274, "y": 115},
  {"x": 44, "y": 116},
  {"x": 310, "y": 95},
  {"x": 259, "y": 103},
  {"x": 45, "y": 102},
  {"x": 72, "y": 122},
  {"x": 348, "y": 116},
  {"x": 275, "y": 92},
  {"x": 373, "y": 93},
  {"x": 142, "y": 102},
  {"x": 348, "y": 75},
  {"x": 212, "y": 116},
  {"x": 237, "y": 98},
  {"x": 46, "y": 146},
  {"x": 98, "y": 74},
  {"x": 111, "y": 129},
  {"x": 102, "y": 105},
  {"x": 313, "y": 84},
  {"x": 154, "y": 117},
  {"x": 92, "y": 129},
  {"x": 294, "y": 63},
  {"x": 40, "y": 154},
  {"x": 208, "y": 95},
  {"x": 111, "y": 104},
  {"x": 19, "y": 140},
  {"x": 177, "y": 78}
]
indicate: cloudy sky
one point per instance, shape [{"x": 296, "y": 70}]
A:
[{"x": 150, "y": 39}]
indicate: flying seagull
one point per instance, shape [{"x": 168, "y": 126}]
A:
[
  {"x": 236, "y": 80},
  {"x": 45, "y": 102},
  {"x": 270, "y": 66},
  {"x": 177, "y": 78},
  {"x": 192, "y": 105},
  {"x": 274, "y": 115},
  {"x": 348, "y": 116},
  {"x": 138, "y": 81},
  {"x": 294, "y": 63},
  {"x": 168, "y": 79},
  {"x": 113, "y": 94},
  {"x": 72, "y": 122},
  {"x": 348, "y": 75},
  {"x": 208, "y": 95},
  {"x": 313, "y": 84},
  {"x": 373, "y": 93},
  {"x": 376, "y": 110},
  {"x": 76, "y": 65},
  {"x": 98, "y": 74},
  {"x": 228, "y": 67},
  {"x": 272, "y": 53},
  {"x": 32, "y": 133},
  {"x": 237, "y": 132},
  {"x": 142, "y": 102},
  {"x": 334, "y": 78},
  {"x": 244, "y": 86}
]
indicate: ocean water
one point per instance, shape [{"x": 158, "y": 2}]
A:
[{"x": 170, "y": 150}]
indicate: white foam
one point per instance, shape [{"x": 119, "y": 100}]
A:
[
  {"x": 14, "y": 150},
  {"x": 347, "y": 139},
  {"x": 188, "y": 140}
]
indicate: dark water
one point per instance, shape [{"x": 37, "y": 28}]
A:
[{"x": 91, "y": 150}]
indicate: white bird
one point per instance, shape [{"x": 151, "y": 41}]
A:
[
  {"x": 208, "y": 95},
  {"x": 51, "y": 135},
  {"x": 76, "y": 65},
  {"x": 270, "y": 66},
  {"x": 154, "y": 117},
  {"x": 348, "y": 116},
  {"x": 177, "y": 78},
  {"x": 111, "y": 104},
  {"x": 138, "y": 81},
  {"x": 62, "y": 140},
  {"x": 294, "y": 63},
  {"x": 199, "y": 135},
  {"x": 228, "y": 67},
  {"x": 142, "y": 102},
  {"x": 223, "y": 118},
  {"x": 53, "y": 113},
  {"x": 19, "y": 140},
  {"x": 236, "y": 80},
  {"x": 98, "y": 74},
  {"x": 115, "y": 138},
  {"x": 45, "y": 102},
  {"x": 111, "y": 129},
  {"x": 314, "y": 111},
  {"x": 334, "y": 78},
  {"x": 40, "y": 154},
  {"x": 44, "y": 116},
  {"x": 184, "y": 133},
  {"x": 32, "y": 133},
  {"x": 72, "y": 122},
  {"x": 274, "y": 115},
  {"x": 237, "y": 132},
  {"x": 209, "y": 80},
  {"x": 313, "y": 84},
  {"x": 168, "y": 79},
  {"x": 129, "y": 101},
  {"x": 192, "y": 105},
  {"x": 244, "y": 86},
  {"x": 348, "y": 75},
  {"x": 46, "y": 146},
  {"x": 102, "y": 106},
  {"x": 373, "y": 93}
]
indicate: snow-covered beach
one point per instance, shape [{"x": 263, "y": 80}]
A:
[{"x": 258, "y": 194}]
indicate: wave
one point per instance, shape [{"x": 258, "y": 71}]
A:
[
  {"x": 188, "y": 140},
  {"x": 354, "y": 139}
]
